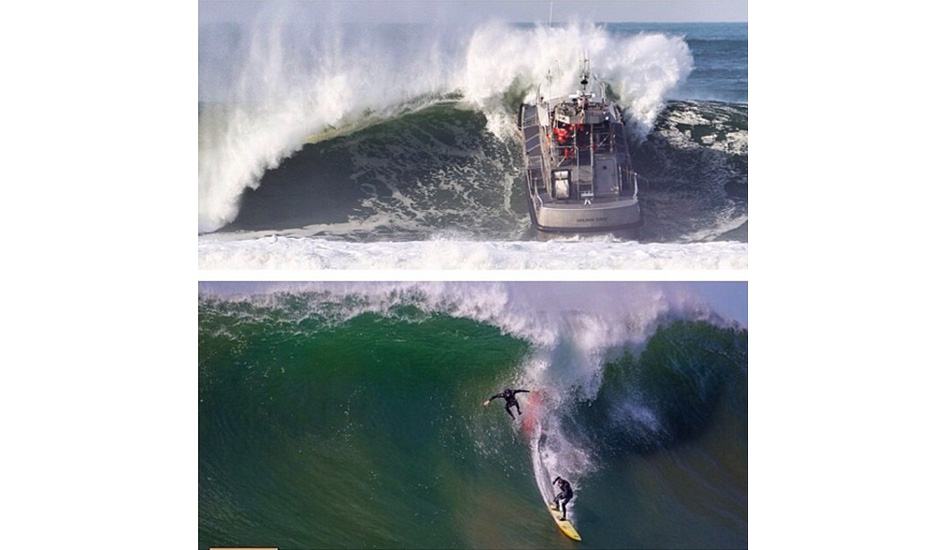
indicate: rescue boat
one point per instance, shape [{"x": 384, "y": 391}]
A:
[{"x": 578, "y": 170}]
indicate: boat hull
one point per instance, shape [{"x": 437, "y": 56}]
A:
[{"x": 619, "y": 215}]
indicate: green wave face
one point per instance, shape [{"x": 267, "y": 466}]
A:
[{"x": 353, "y": 418}]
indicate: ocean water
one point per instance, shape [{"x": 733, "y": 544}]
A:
[
  {"x": 347, "y": 146},
  {"x": 349, "y": 415}
]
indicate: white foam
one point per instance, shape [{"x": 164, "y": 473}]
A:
[{"x": 234, "y": 252}]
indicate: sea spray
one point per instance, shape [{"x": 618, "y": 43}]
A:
[{"x": 641, "y": 69}]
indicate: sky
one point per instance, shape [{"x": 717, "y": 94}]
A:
[
  {"x": 729, "y": 299},
  {"x": 416, "y": 11}
]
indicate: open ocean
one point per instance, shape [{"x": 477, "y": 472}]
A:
[
  {"x": 328, "y": 146},
  {"x": 349, "y": 415}
]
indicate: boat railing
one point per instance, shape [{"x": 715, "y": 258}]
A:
[
  {"x": 537, "y": 182},
  {"x": 629, "y": 181}
]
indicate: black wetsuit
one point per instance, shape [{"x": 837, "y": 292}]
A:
[
  {"x": 565, "y": 495},
  {"x": 509, "y": 396}
]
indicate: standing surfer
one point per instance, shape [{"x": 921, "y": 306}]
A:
[
  {"x": 566, "y": 495},
  {"x": 509, "y": 396}
]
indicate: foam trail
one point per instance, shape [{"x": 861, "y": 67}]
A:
[{"x": 287, "y": 80}]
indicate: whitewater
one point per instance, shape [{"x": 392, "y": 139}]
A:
[
  {"x": 330, "y": 146},
  {"x": 296, "y": 253}
]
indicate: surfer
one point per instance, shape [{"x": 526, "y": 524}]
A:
[
  {"x": 509, "y": 396},
  {"x": 566, "y": 495}
]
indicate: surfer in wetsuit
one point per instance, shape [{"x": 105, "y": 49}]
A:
[
  {"x": 566, "y": 495},
  {"x": 509, "y": 396}
]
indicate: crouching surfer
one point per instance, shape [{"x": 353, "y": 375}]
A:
[
  {"x": 565, "y": 495},
  {"x": 509, "y": 396}
]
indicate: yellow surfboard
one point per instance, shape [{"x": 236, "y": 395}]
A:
[{"x": 566, "y": 526}]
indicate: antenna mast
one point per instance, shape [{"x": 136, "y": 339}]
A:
[{"x": 585, "y": 72}]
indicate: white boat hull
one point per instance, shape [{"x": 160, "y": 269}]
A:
[{"x": 616, "y": 215}]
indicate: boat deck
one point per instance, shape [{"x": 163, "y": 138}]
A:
[{"x": 596, "y": 203}]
